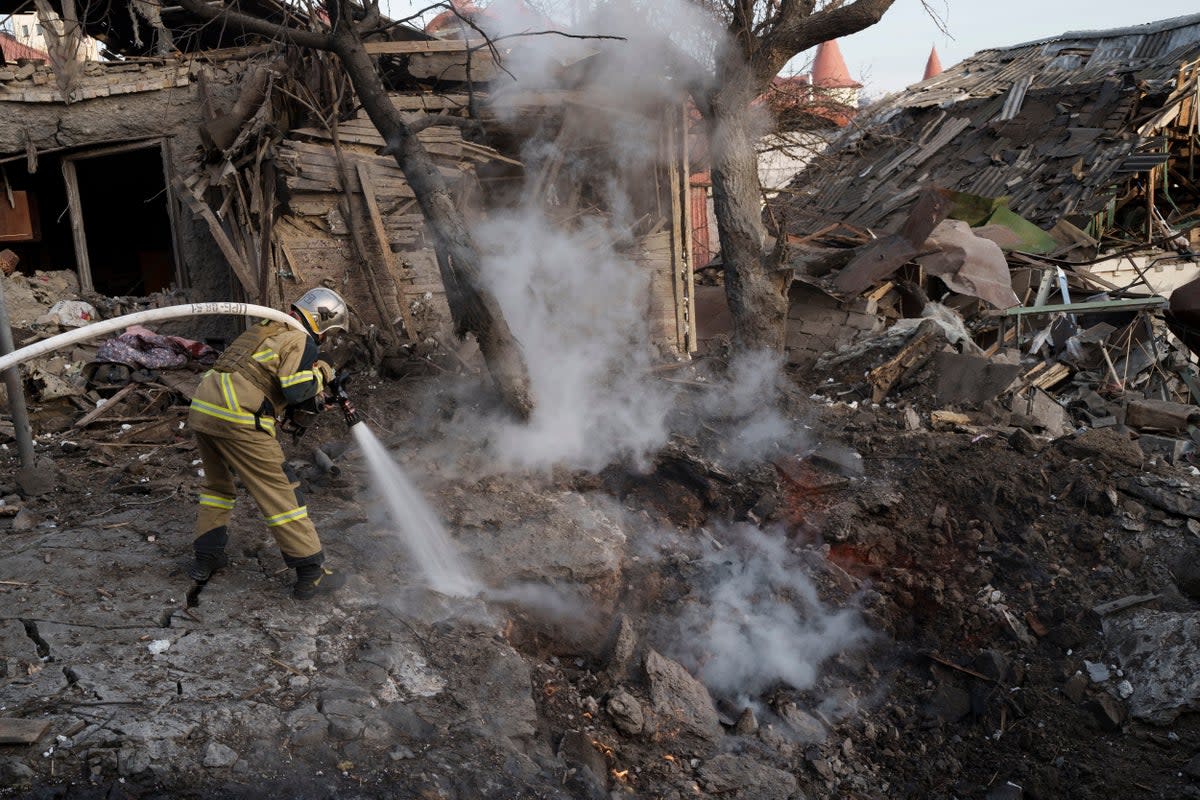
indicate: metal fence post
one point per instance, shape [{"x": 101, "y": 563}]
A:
[{"x": 16, "y": 391}]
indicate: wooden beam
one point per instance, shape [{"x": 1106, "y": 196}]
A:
[
  {"x": 389, "y": 261},
  {"x": 431, "y": 46},
  {"x": 109, "y": 405},
  {"x": 240, "y": 268},
  {"x": 22, "y": 731}
]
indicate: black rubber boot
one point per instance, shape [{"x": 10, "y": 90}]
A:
[
  {"x": 204, "y": 565},
  {"x": 314, "y": 579}
]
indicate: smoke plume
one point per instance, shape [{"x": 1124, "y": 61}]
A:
[{"x": 755, "y": 620}]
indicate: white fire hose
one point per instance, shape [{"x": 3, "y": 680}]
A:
[{"x": 138, "y": 317}]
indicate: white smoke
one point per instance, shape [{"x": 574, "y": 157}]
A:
[
  {"x": 744, "y": 407},
  {"x": 759, "y": 622},
  {"x": 579, "y": 310}
]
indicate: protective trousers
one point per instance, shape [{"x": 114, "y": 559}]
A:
[{"x": 258, "y": 460}]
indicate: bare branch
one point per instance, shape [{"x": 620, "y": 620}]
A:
[
  {"x": 797, "y": 31},
  {"x": 252, "y": 24}
]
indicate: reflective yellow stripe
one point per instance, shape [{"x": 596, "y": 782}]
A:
[
  {"x": 262, "y": 356},
  {"x": 216, "y": 501},
  {"x": 299, "y": 377},
  {"x": 242, "y": 418},
  {"x": 288, "y": 516},
  {"x": 228, "y": 392}
]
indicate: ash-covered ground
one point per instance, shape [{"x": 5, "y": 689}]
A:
[{"x": 853, "y": 609}]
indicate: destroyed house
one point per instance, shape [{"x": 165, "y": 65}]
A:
[
  {"x": 1083, "y": 126},
  {"x": 1072, "y": 146},
  {"x": 236, "y": 168}
]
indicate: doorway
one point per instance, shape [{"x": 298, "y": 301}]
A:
[{"x": 123, "y": 219}]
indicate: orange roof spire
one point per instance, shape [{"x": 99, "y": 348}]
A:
[
  {"x": 934, "y": 65},
  {"x": 829, "y": 68}
]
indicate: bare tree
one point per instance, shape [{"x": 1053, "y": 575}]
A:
[
  {"x": 763, "y": 36},
  {"x": 759, "y": 38},
  {"x": 473, "y": 306}
]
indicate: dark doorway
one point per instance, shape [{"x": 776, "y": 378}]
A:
[{"x": 125, "y": 221}]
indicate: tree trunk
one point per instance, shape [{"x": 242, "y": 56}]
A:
[
  {"x": 757, "y": 294},
  {"x": 472, "y": 305}
]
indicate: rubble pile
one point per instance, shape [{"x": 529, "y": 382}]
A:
[
  {"x": 1001, "y": 338},
  {"x": 1017, "y": 616}
]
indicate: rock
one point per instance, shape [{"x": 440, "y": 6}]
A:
[
  {"x": 839, "y": 459},
  {"x": 1097, "y": 673},
  {"x": 577, "y": 750},
  {"x": 1024, "y": 442},
  {"x": 40, "y": 479},
  {"x": 807, "y": 728},
  {"x": 1109, "y": 712},
  {"x": 1165, "y": 448},
  {"x": 993, "y": 664},
  {"x": 1076, "y": 687},
  {"x": 681, "y": 701},
  {"x": 626, "y": 713},
  {"x": 1185, "y": 571},
  {"x": 1104, "y": 445},
  {"x": 346, "y": 718},
  {"x": 743, "y": 778},
  {"x": 15, "y": 773},
  {"x": 622, "y": 656},
  {"x": 1159, "y": 652},
  {"x": 132, "y": 759},
  {"x": 949, "y": 703},
  {"x": 25, "y": 520},
  {"x": 218, "y": 755},
  {"x": 747, "y": 723},
  {"x": 1192, "y": 768},
  {"x": 1005, "y": 791},
  {"x": 408, "y": 723}
]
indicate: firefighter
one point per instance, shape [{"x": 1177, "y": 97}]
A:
[{"x": 270, "y": 368}]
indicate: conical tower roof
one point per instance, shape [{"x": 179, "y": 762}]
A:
[
  {"x": 829, "y": 68},
  {"x": 934, "y": 65}
]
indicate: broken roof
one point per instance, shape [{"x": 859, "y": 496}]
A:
[{"x": 1048, "y": 123}]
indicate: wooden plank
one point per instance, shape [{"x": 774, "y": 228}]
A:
[
  {"x": 431, "y": 46},
  {"x": 22, "y": 731},
  {"x": 433, "y": 102},
  {"x": 927, "y": 339},
  {"x": 236, "y": 263},
  {"x": 109, "y": 405},
  {"x": 678, "y": 260},
  {"x": 391, "y": 265},
  {"x": 453, "y": 66},
  {"x": 300, "y": 184}
]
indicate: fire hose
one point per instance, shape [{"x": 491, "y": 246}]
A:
[{"x": 139, "y": 317}]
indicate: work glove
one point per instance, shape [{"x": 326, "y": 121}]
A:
[{"x": 326, "y": 373}]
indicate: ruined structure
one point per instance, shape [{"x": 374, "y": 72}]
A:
[
  {"x": 247, "y": 171},
  {"x": 1089, "y": 136}
]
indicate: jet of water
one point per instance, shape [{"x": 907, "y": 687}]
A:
[{"x": 418, "y": 526}]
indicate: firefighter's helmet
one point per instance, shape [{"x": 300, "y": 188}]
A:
[{"x": 323, "y": 310}]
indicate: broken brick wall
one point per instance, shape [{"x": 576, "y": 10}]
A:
[{"x": 819, "y": 324}]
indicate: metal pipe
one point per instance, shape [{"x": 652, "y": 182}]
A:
[
  {"x": 16, "y": 391},
  {"x": 324, "y": 463},
  {"x": 150, "y": 315}
]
